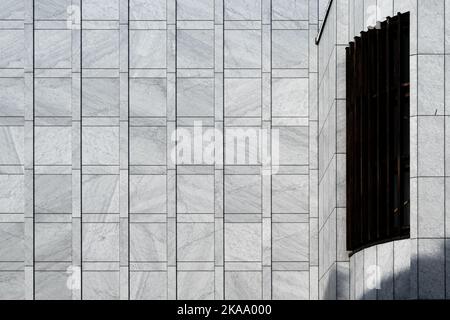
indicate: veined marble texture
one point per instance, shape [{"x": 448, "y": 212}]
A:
[{"x": 97, "y": 199}]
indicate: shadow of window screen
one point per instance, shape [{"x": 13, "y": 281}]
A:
[{"x": 378, "y": 141}]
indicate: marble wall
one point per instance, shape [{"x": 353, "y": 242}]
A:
[
  {"x": 127, "y": 169},
  {"x": 415, "y": 268},
  {"x": 97, "y": 201}
]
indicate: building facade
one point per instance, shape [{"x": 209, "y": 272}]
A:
[
  {"x": 415, "y": 268},
  {"x": 196, "y": 149}
]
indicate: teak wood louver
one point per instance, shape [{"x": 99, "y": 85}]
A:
[{"x": 378, "y": 134}]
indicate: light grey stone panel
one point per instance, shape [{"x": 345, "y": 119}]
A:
[
  {"x": 148, "y": 97},
  {"x": 431, "y": 26},
  {"x": 148, "y": 242},
  {"x": 11, "y": 48},
  {"x": 431, "y": 85},
  {"x": 148, "y": 194},
  {"x": 243, "y": 97},
  {"x": 327, "y": 142},
  {"x": 413, "y": 66},
  {"x": 148, "y": 285},
  {"x": 359, "y": 275},
  {"x": 431, "y": 269},
  {"x": 195, "y": 194},
  {"x": 52, "y": 49},
  {"x": 53, "y": 97},
  {"x": 447, "y": 213},
  {"x": 290, "y": 285},
  {"x": 12, "y": 285},
  {"x": 447, "y": 76},
  {"x": 386, "y": 9},
  {"x": 242, "y": 10},
  {"x": 53, "y": 242},
  {"x": 385, "y": 261},
  {"x": 328, "y": 242},
  {"x": 402, "y": 269},
  {"x": 53, "y": 145},
  {"x": 430, "y": 148},
  {"x": 293, "y": 145},
  {"x": 100, "y": 285},
  {"x": 195, "y": 48},
  {"x": 100, "y": 242},
  {"x": 431, "y": 199},
  {"x": 53, "y": 194},
  {"x": 195, "y": 242},
  {"x": 243, "y": 242},
  {"x": 148, "y": 145},
  {"x": 195, "y": 285},
  {"x": 290, "y": 49},
  {"x": 371, "y": 276},
  {"x": 290, "y": 10},
  {"x": 100, "y": 48},
  {"x": 327, "y": 285},
  {"x": 100, "y": 97},
  {"x": 341, "y": 236},
  {"x": 52, "y": 285},
  {"x": 447, "y": 267},
  {"x": 51, "y": 10},
  {"x": 195, "y": 10},
  {"x": 243, "y": 285},
  {"x": 314, "y": 283},
  {"x": 342, "y": 24},
  {"x": 341, "y": 126},
  {"x": 12, "y": 239},
  {"x": 341, "y": 183},
  {"x": 12, "y": 97},
  {"x": 145, "y": 10},
  {"x": 100, "y": 10},
  {"x": 343, "y": 281},
  {"x": 290, "y": 98},
  {"x": 12, "y": 10},
  {"x": 290, "y": 194},
  {"x": 147, "y": 49},
  {"x": 290, "y": 242},
  {"x": 370, "y": 13},
  {"x": 414, "y": 278},
  {"x": 100, "y": 145},
  {"x": 243, "y": 48},
  {"x": 243, "y": 194},
  {"x": 12, "y": 145},
  {"x": 195, "y": 97},
  {"x": 100, "y": 194},
  {"x": 314, "y": 243},
  {"x": 242, "y": 140}
]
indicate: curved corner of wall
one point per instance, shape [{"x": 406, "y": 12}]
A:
[{"x": 382, "y": 272}]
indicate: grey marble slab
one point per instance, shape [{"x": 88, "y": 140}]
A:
[
  {"x": 53, "y": 193},
  {"x": 12, "y": 96},
  {"x": 100, "y": 242},
  {"x": 148, "y": 242}
]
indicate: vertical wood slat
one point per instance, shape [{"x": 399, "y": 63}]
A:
[
  {"x": 405, "y": 115},
  {"x": 378, "y": 128},
  {"x": 388, "y": 175},
  {"x": 378, "y": 134},
  {"x": 357, "y": 164},
  {"x": 371, "y": 143},
  {"x": 349, "y": 141},
  {"x": 364, "y": 137},
  {"x": 397, "y": 124},
  {"x": 381, "y": 111}
]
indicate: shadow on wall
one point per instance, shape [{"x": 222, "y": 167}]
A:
[{"x": 391, "y": 271}]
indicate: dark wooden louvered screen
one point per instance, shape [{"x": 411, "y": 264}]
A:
[{"x": 378, "y": 134}]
